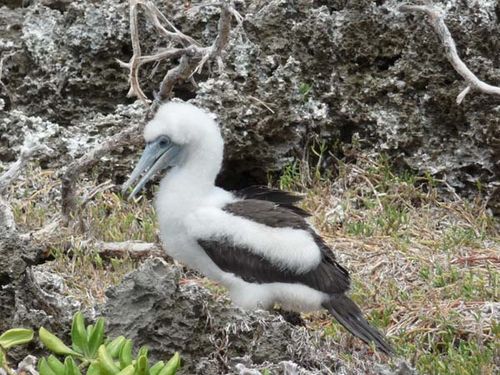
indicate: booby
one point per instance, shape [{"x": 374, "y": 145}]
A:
[{"x": 255, "y": 242}]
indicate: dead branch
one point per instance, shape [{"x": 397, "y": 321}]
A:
[
  {"x": 128, "y": 136},
  {"x": 192, "y": 56},
  {"x": 29, "y": 148},
  {"x": 132, "y": 249},
  {"x": 43, "y": 233},
  {"x": 436, "y": 19}
]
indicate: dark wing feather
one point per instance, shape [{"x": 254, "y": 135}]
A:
[
  {"x": 281, "y": 198},
  {"x": 328, "y": 276}
]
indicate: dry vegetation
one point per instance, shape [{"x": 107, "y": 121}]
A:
[{"x": 425, "y": 269}]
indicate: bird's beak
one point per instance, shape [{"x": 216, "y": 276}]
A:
[{"x": 154, "y": 158}]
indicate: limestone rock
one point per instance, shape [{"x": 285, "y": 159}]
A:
[
  {"x": 212, "y": 336},
  {"x": 340, "y": 72}
]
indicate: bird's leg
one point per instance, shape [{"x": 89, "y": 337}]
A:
[{"x": 292, "y": 317}]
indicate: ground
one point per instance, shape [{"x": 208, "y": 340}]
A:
[{"x": 424, "y": 262}]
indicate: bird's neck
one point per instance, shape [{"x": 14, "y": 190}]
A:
[{"x": 186, "y": 186}]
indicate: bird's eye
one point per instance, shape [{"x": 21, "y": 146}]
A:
[{"x": 164, "y": 141}]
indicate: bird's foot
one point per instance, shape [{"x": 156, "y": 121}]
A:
[{"x": 291, "y": 317}]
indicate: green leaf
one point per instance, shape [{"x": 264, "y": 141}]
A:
[
  {"x": 93, "y": 369},
  {"x": 114, "y": 346},
  {"x": 44, "y": 368},
  {"x": 156, "y": 368},
  {"x": 172, "y": 365},
  {"x": 56, "y": 365},
  {"x": 96, "y": 337},
  {"x": 90, "y": 329},
  {"x": 15, "y": 336},
  {"x": 141, "y": 366},
  {"x": 129, "y": 370},
  {"x": 106, "y": 364},
  {"x": 79, "y": 334},
  {"x": 143, "y": 351},
  {"x": 54, "y": 344},
  {"x": 125, "y": 354},
  {"x": 70, "y": 367}
]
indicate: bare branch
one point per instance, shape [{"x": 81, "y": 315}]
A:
[
  {"x": 127, "y": 136},
  {"x": 133, "y": 249},
  {"x": 29, "y": 148},
  {"x": 135, "y": 88},
  {"x": 192, "y": 56},
  {"x": 175, "y": 35},
  {"x": 174, "y": 75},
  {"x": 436, "y": 19},
  {"x": 43, "y": 233}
]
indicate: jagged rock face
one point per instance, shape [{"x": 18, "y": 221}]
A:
[
  {"x": 213, "y": 337},
  {"x": 30, "y": 295},
  {"x": 300, "y": 69},
  {"x": 151, "y": 308}
]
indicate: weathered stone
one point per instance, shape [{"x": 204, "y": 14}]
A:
[
  {"x": 337, "y": 71},
  {"x": 30, "y": 296},
  {"x": 212, "y": 336}
]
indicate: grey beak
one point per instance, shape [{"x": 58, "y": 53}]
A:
[{"x": 154, "y": 158}]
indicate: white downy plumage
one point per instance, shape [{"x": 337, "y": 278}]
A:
[{"x": 191, "y": 209}]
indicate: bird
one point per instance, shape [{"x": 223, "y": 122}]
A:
[{"x": 256, "y": 242}]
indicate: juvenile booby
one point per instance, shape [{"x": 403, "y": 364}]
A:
[{"x": 256, "y": 242}]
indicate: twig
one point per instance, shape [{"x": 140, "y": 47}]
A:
[
  {"x": 127, "y": 136},
  {"x": 44, "y": 232},
  {"x": 132, "y": 249},
  {"x": 29, "y": 148},
  {"x": 436, "y": 19},
  {"x": 471, "y": 260},
  {"x": 135, "y": 88},
  {"x": 262, "y": 103},
  {"x": 106, "y": 185},
  {"x": 192, "y": 56}
]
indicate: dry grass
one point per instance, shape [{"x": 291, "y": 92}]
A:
[
  {"x": 106, "y": 217},
  {"x": 425, "y": 269}
]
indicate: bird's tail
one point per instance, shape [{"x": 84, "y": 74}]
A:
[{"x": 350, "y": 316}]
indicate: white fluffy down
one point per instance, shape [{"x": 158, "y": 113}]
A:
[{"x": 189, "y": 208}]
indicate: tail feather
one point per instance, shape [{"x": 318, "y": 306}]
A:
[{"x": 350, "y": 316}]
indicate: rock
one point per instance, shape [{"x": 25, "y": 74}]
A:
[
  {"x": 334, "y": 71},
  {"x": 15, "y": 257},
  {"x": 152, "y": 309},
  {"x": 28, "y": 365},
  {"x": 30, "y": 296}
]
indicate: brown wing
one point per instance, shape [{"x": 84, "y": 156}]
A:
[
  {"x": 328, "y": 277},
  {"x": 281, "y": 198}
]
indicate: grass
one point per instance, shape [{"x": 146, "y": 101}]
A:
[
  {"x": 425, "y": 269},
  {"x": 424, "y": 262}
]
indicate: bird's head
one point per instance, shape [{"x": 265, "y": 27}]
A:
[{"x": 179, "y": 132}]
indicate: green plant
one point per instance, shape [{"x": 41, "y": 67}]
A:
[
  {"x": 10, "y": 338},
  {"x": 90, "y": 351},
  {"x": 304, "y": 90}
]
